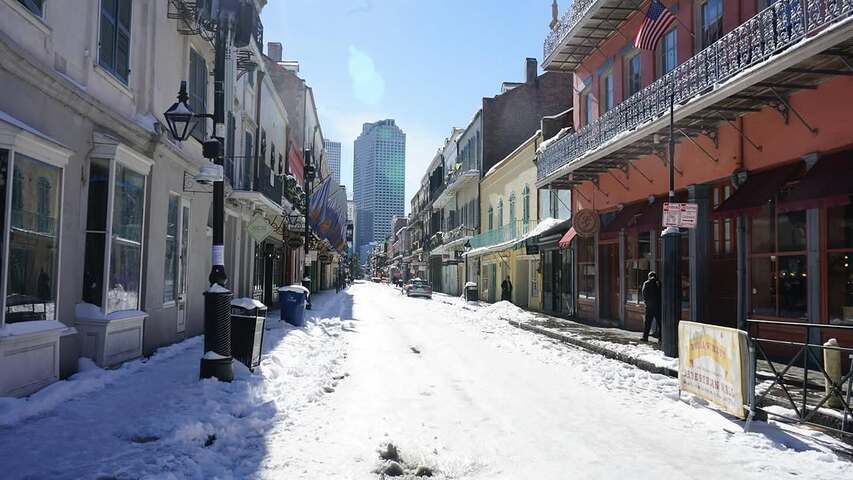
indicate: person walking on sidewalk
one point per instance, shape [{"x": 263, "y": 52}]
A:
[
  {"x": 506, "y": 290},
  {"x": 651, "y": 297}
]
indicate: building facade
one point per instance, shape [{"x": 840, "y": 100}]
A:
[
  {"x": 760, "y": 94},
  {"x": 379, "y": 173},
  {"x": 333, "y": 157}
]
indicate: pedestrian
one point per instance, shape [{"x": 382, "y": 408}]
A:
[
  {"x": 651, "y": 297},
  {"x": 506, "y": 290}
]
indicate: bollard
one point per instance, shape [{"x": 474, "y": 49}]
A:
[{"x": 832, "y": 365}]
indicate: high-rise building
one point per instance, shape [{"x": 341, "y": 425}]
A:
[
  {"x": 379, "y": 173},
  {"x": 333, "y": 156}
]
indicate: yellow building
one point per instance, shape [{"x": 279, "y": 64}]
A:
[{"x": 509, "y": 215}]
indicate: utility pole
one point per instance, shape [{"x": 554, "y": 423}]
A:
[{"x": 671, "y": 294}]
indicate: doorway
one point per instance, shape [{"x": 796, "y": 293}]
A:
[
  {"x": 608, "y": 260},
  {"x": 183, "y": 263}
]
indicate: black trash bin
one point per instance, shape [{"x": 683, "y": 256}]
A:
[
  {"x": 248, "y": 318},
  {"x": 472, "y": 294}
]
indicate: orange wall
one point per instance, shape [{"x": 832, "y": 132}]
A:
[{"x": 827, "y": 109}]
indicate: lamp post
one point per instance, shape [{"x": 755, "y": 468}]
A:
[
  {"x": 671, "y": 284},
  {"x": 181, "y": 120}
]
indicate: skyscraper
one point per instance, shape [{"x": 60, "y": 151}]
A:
[
  {"x": 379, "y": 173},
  {"x": 333, "y": 156}
]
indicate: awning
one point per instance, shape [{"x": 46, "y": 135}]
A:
[
  {"x": 829, "y": 183},
  {"x": 634, "y": 217},
  {"x": 760, "y": 188},
  {"x": 566, "y": 241}
]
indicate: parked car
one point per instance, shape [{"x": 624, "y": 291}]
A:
[{"x": 418, "y": 288}]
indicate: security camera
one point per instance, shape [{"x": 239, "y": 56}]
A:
[{"x": 210, "y": 173}]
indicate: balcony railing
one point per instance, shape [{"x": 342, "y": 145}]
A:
[
  {"x": 504, "y": 233},
  {"x": 566, "y": 23},
  {"x": 461, "y": 231},
  {"x": 783, "y": 25}
]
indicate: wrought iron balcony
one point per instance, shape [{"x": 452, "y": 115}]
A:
[
  {"x": 790, "y": 45},
  {"x": 459, "y": 232},
  {"x": 504, "y": 233}
]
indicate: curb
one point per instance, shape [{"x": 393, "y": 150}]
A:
[{"x": 586, "y": 345}]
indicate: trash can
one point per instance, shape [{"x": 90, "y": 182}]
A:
[
  {"x": 471, "y": 292},
  {"x": 248, "y": 318},
  {"x": 293, "y": 300}
]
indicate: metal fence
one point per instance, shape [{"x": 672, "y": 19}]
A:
[
  {"x": 800, "y": 381},
  {"x": 778, "y": 27}
]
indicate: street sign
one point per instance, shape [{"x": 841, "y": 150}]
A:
[
  {"x": 681, "y": 215},
  {"x": 259, "y": 228}
]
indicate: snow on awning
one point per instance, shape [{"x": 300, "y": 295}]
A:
[{"x": 540, "y": 228}]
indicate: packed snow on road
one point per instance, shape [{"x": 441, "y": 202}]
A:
[{"x": 379, "y": 385}]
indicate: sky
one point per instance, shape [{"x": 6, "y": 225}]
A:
[{"x": 425, "y": 63}]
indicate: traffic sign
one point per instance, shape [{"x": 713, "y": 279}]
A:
[{"x": 681, "y": 215}]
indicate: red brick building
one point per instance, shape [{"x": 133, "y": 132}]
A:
[{"x": 763, "y": 98}]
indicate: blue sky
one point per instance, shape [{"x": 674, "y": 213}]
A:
[{"x": 425, "y": 63}]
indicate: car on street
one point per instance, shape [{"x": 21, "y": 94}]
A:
[{"x": 418, "y": 288}]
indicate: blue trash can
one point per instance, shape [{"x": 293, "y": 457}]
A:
[{"x": 292, "y": 300}]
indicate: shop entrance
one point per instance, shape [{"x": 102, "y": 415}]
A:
[{"x": 608, "y": 260}]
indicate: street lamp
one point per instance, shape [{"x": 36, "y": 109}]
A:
[{"x": 180, "y": 117}]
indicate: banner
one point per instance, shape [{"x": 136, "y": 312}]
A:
[{"x": 712, "y": 365}]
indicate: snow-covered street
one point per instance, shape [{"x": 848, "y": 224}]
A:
[{"x": 452, "y": 385}]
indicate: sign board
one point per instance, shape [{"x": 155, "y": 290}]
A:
[
  {"x": 681, "y": 215},
  {"x": 586, "y": 222},
  {"x": 712, "y": 365},
  {"x": 259, "y": 228},
  {"x": 531, "y": 249},
  {"x": 294, "y": 242}
]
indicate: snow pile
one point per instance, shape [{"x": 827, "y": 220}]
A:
[{"x": 504, "y": 310}]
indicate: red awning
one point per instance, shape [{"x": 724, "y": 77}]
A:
[
  {"x": 760, "y": 188},
  {"x": 566, "y": 241},
  {"x": 623, "y": 219},
  {"x": 637, "y": 217},
  {"x": 829, "y": 183}
]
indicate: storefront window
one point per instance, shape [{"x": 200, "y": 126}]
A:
[
  {"x": 840, "y": 264},
  {"x": 171, "y": 254},
  {"x": 586, "y": 267},
  {"x": 124, "y": 228},
  {"x": 638, "y": 255},
  {"x": 778, "y": 276},
  {"x": 33, "y": 239}
]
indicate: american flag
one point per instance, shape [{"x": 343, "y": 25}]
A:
[{"x": 657, "y": 21}]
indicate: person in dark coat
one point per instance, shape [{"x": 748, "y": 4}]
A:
[
  {"x": 506, "y": 290},
  {"x": 651, "y": 297}
]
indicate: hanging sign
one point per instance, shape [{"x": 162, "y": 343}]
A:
[
  {"x": 681, "y": 215},
  {"x": 259, "y": 228},
  {"x": 586, "y": 222},
  {"x": 294, "y": 242}
]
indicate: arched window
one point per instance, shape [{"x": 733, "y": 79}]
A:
[
  {"x": 512, "y": 216},
  {"x": 525, "y": 207},
  {"x": 491, "y": 218},
  {"x": 500, "y": 212}
]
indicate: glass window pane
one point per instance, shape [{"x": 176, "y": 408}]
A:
[
  {"x": 128, "y": 205},
  {"x": 4, "y": 178},
  {"x": 762, "y": 235},
  {"x": 840, "y": 287},
  {"x": 93, "y": 268},
  {"x": 106, "y": 53},
  {"x": 99, "y": 178},
  {"x": 763, "y": 284},
  {"x": 33, "y": 241},
  {"x": 840, "y": 228},
  {"x": 793, "y": 282},
  {"x": 171, "y": 257},
  {"x": 791, "y": 228}
]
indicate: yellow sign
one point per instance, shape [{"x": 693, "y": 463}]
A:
[{"x": 712, "y": 365}]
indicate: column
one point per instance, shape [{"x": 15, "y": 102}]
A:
[
  {"x": 622, "y": 282},
  {"x": 699, "y": 241},
  {"x": 813, "y": 271}
]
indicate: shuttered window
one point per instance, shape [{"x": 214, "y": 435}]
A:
[
  {"x": 198, "y": 92},
  {"x": 114, "y": 41}
]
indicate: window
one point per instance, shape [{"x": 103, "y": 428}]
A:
[
  {"x": 491, "y": 218},
  {"x": 710, "y": 22},
  {"x": 170, "y": 284},
  {"x": 633, "y": 77},
  {"x": 839, "y": 260},
  {"x": 248, "y": 149},
  {"x": 500, "y": 212},
  {"x": 34, "y": 6},
  {"x": 198, "y": 93},
  {"x": 606, "y": 92},
  {"x": 114, "y": 237},
  {"x": 587, "y": 100},
  {"x": 586, "y": 267},
  {"x": 667, "y": 53},
  {"x": 723, "y": 231},
  {"x": 525, "y": 209},
  {"x": 545, "y": 204},
  {"x": 638, "y": 256},
  {"x": 777, "y": 263},
  {"x": 31, "y": 269},
  {"x": 272, "y": 165},
  {"x": 114, "y": 40}
]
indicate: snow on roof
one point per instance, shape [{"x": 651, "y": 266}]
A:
[
  {"x": 541, "y": 227},
  {"x": 547, "y": 143}
]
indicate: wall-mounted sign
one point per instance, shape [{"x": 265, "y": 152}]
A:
[
  {"x": 294, "y": 242},
  {"x": 259, "y": 228},
  {"x": 532, "y": 249},
  {"x": 586, "y": 222},
  {"x": 681, "y": 215}
]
